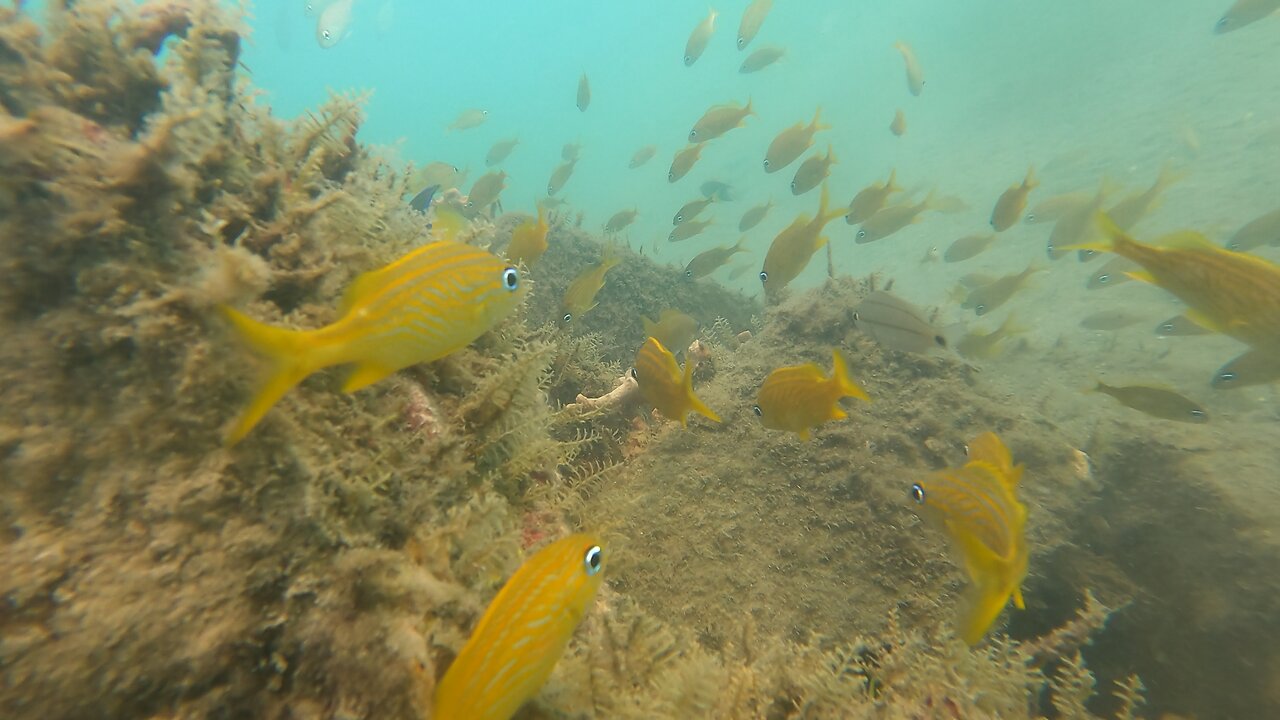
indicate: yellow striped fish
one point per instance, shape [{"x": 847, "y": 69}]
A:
[
  {"x": 433, "y": 301},
  {"x": 799, "y": 398},
  {"x": 664, "y": 386},
  {"x": 524, "y": 632},
  {"x": 977, "y": 506}
]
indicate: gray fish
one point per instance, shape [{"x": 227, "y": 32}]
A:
[
  {"x": 896, "y": 324},
  {"x": 762, "y": 58},
  {"x": 983, "y": 300},
  {"x": 1114, "y": 272},
  {"x": 686, "y": 230},
  {"x": 1156, "y": 402},
  {"x": 968, "y": 246},
  {"x": 752, "y": 217},
  {"x": 560, "y": 176},
  {"x": 642, "y": 156},
  {"x": 691, "y": 209},
  {"x": 722, "y": 192},
  {"x": 499, "y": 151},
  {"x": 1254, "y": 367},
  {"x": 1111, "y": 320},
  {"x": 1180, "y": 326},
  {"x": 584, "y": 93},
  {"x": 1262, "y": 230}
]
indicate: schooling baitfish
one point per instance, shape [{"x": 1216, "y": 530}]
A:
[
  {"x": 433, "y": 301},
  {"x": 524, "y": 632}
]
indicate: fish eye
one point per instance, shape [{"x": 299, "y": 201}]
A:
[
  {"x": 764, "y": 276},
  {"x": 510, "y": 278},
  {"x": 568, "y": 318},
  {"x": 1104, "y": 279},
  {"x": 966, "y": 451},
  {"x": 856, "y": 317},
  {"x": 693, "y": 134},
  {"x": 634, "y": 375},
  {"x": 756, "y": 409},
  {"x": 981, "y": 310},
  {"x": 679, "y": 218},
  {"x": 688, "y": 274},
  {"x": 793, "y": 185},
  {"x": 941, "y": 341},
  {"x": 593, "y": 560},
  {"x": 671, "y": 177},
  {"x": 1198, "y": 414},
  {"x": 484, "y": 112},
  {"x": 1031, "y": 217},
  {"x": 862, "y": 234},
  {"x": 766, "y": 162},
  {"x": 1166, "y": 328},
  {"x": 917, "y": 493},
  {"x": 326, "y": 34}
]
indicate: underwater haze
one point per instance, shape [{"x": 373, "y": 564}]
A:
[{"x": 563, "y": 359}]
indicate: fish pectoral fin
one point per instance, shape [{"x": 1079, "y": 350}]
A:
[
  {"x": 1141, "y": 276},
  {"x": 365, "y": 374},
  {"x": 837, "y": 413},
  {"x": 805, "y": 434},
  {"x": 1017, "y": 599}
]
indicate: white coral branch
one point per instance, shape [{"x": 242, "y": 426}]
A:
[{"x": 623, "y": 391}]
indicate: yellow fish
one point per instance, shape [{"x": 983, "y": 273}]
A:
[
  {"x": 718, "y": 120},
  {"x": 1232, "y": 293},
  {"x": 799, "y": 398},
  {"x": 899, "y": 125},
  {"x": 580, "y": 296},
  {"x": 692, "y": 209},
  {"x": 683, "y": 162},
  {"x": 529, "y": 240},
  {"x": 752, "y": 18},
  {"x": 792, "y": 142},
  {"x": 1126, "y": 213},
  {"x": 686, "y": 230},
  {"x": 752, "y": 217},
  {"x": 708, "y": 261},
  {"x": 992, "y": 295},
  {"x": 673, "y": 329},
  {"x": 642, "y": 156},
  {"x": 890, "y": 220},
  {"x": 620, "y": 220},
  {"x": 977, "y": 506},
  {"x": 433, "y": 301},
  {"x": 915, "y": 78},
  {"x": 486, "y": 190},
  {"x": 665, "y": 387},
  {"x": 500, "y": 150},
  {"x": 980, "y": 345},
  {"x": 762, "y": 58},
  {"x": 871, "y": 199},
  {"x": 795, "y": 245},
  {"x": 468, "y": 119},
  {"x": 812, "y": 172},
  {"x": 523, "y": 634},
  {"x": 699, "y": 37},
  {"x": 560, "y": 176},
  {"x": 1012, "y": 202}
]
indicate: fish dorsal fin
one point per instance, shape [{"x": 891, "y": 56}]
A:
[
  {"x": 368, "y": 282},
  {"x": 988, "y": 448},
  {"x": 1185, "y": 240}
]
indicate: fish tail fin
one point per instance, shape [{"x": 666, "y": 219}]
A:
[
  {"x": 695, "y": 404},
  {"x": 817, "y": 123},
  {"x": 891, "y": 185},
  {"x": 741, "y": 245},
  {"x": 831, "y": 155},
  {"x": 749, "y": 109},
  {"x": 287, "y": 352},
  {"x": 840, "y": 376},
  {"x": 825, "y": 213},
  {"x": 1031, "y": 181},
  {"x": 1169, "y": 176},
  {"x": 611, "y": 257},
  {"x": 988, "y": 592}
]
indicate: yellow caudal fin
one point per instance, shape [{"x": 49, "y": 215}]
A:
[
  {"x": 988, "y": 592},
  {"x": 365, "y": 374},
  {"x": 840, "y": 376},
  {"x": 817, "y": 123},
  {"x": 1031, "y": 182},
  {"x": 825, "y": 213},
  {"x": 695, "y": 404},
  {"x": 1114, "y": 235},
  {"x": 891, "y": 185},
  {"x": 286, "y": 352}
]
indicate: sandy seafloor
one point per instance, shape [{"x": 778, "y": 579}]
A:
[{"x": 332, "y": 564}]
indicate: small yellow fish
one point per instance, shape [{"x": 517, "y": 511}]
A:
[
  {"x": 1078, "y": 225},
  {"x": 683, "y": 162},
  {"x": 584, "y": 93},
  {"x": 1114, "y": 272},
  {"x": 752, "y": 217},
  {"x": 560, "y": 176},
  {"x": 570, "y": 152},
  {"x": 1157, "y": 402},
  {"x": 431, "y": 302},
  {"x": 523, "y": 633},
  {"x": 812, "y": 172},
  {"x": 984, "y": 346},
  {"x": 1126, "y": 213},
  {"x": 334, "y": 23},
  {"x": 992, "y": 295},
  {"x": 899, "y": 125},
  {"x": 673, "y": 329},
  {"x": 968, "y": 246},
  {"x": 580, "y": 296},
  {"x": 1232, "y": 293},
  {"x": 468, "y": 119},
  {"x": 1054, "y": 208},
  {"x": 686, "y": 230},
  {"x": 718, "y": 120},
  {"x": 752, "y": 18},
  {"x": 792, "y": 142},
  {"x": 890, "y": 220},
  {"x": 1012, "y": 202},
  {"x": 1262, "y": 230},
  {"x": 762, "y": 58},
  {"x": 665, "y": 387},
  {"x": 708, "y": 261},
  {"x": 792, "y": 248},
  {"x": 1245, "y": 12},
  {"x": 438, "y": 173},
  {"x": 621, "y": 220},
  {"x": 977, "y": 506},
  {"x": 698, "y": 39},
  {"x": 915, "y": 78},
  {"x": 499, "y": 151},
  {"x": 692, "y": 209},
  {"x": 799, "y": 398},
  {"x": 871, "y": 199},
  {"x": 486, "y": 190},
  {"x": 642, "y": 156},
  {"x": 528, "y": 240}
]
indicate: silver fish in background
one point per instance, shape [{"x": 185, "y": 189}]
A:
[
  {"x": 1245, "y": 12},
  {"x": 1180, "y": 326},
  {"x": 334, "y": 23},
  {"x": 752, "y": 18},
  {"x": 1156, "y": 401},
  {"x": 1253, "y": 367},
  {"x": 1262, "y": 230},
  {"x": 699, "y": 38},
  {"x": 1115, "y": 271},
  {"x": 897, "y": 324}
]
